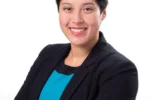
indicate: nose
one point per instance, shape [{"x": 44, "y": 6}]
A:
[{"x": 77, "y": 18}]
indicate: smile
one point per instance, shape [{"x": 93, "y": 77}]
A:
[{"x": 77, "y": 30}]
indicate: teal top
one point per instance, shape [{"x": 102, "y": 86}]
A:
[{"x": 57, "y": 82}]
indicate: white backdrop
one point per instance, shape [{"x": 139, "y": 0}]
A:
[{"x": 26, "y": 26}]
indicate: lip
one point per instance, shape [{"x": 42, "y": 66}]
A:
[
  {"x": 77, "y": 32},
  {"x": 77, "y": 27}
]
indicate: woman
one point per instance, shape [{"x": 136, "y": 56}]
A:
[{"x": 87, "y": 68}]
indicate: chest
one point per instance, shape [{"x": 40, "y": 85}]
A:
[{"x": 82, "y": 85}]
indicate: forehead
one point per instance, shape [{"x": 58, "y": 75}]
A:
[{"x": 78, "y": 2}]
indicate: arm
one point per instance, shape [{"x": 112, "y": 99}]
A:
[
  {"x": 23, "y": 92},
  {"x": 119, "y": 82}
]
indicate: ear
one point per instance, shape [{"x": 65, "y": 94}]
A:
[{"x": 103, "y": 14}]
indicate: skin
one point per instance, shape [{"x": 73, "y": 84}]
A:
[{"x": 80, "y": 14}]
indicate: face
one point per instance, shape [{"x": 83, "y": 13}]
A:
[{"x": 80, "y": 20}]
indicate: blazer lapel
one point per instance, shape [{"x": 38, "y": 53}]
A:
[
  {"x": 42, "y": 77},
  {"x": 46, "y": 69},
  {"x": 74, "y": 83}
]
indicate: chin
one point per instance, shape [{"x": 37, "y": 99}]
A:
[{"x": 78, "y": 43}]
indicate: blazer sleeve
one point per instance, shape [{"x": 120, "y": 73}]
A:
[
  {"x": 119, "y": 82},
  {"x": 24, "y": 90}
]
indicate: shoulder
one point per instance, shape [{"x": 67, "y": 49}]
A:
[
  {"x": 114, "y": 57},
  {"x": 52, "y": 49},
  {"x": 116, "y": 65},
  {"x": 115, "y": 62}
]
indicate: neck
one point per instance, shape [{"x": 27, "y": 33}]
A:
[
  {"x": 78, "y": 54},
  {"x": 81, "y": 52}
]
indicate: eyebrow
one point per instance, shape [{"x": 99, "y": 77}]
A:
[
  {"x": 66, "y": 3},
  {"x": 88, "y": 3}
]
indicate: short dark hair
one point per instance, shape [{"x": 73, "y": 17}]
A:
[{"x": 102, "y": 4}]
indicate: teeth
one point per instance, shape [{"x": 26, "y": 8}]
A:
[{"x": 77, "y": 30}]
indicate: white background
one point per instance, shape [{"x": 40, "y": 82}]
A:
[{"x": 26, "y": 26}]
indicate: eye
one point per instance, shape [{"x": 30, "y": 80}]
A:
[
  {"x": 88, "y": 9},
  {"x": 67, "y": 8}
]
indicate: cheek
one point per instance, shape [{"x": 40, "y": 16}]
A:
[
  {"x": 63, "y": 19},
  {"x": 94, "y": 21}
]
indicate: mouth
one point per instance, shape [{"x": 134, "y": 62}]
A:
[{"x": 77, "y": 30}]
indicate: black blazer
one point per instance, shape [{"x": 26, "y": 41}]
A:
[{"x": 104, "y": 75}]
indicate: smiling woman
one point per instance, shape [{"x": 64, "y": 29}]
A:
[
  {"x": 80, "y": 21},
  {"x": 87, "y": 68}
]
